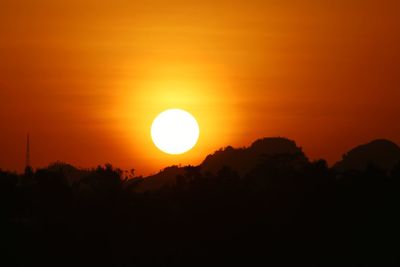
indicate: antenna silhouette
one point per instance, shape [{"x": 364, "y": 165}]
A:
[{"x": 28, "y": 153}]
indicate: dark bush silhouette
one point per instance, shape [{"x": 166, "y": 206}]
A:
[{"x": 284, "y": 210}]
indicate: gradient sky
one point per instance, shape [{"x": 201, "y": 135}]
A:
[{"x": 86, "y": 78}]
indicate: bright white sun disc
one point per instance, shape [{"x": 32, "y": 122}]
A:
[{"x": 175, "y": 131}]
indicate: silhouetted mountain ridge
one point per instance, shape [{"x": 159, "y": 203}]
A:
[
  {"x": 241, "y": 160},
  {"x": 380, "y": 152},
  {"x": 164, "y": 177},
  {"x": 244, "y": 160}
]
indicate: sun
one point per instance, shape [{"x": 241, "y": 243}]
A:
[{"x": 175, "y": 131}]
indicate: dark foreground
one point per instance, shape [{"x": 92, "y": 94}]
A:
[{"x": 285, "y": 212}]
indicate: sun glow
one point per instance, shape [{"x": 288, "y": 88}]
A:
[
  {"x": 167, "y": 85},
  {"x": 175, "y": 131}
]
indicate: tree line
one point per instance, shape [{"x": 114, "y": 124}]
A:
[{"x": 284, "y": 211}]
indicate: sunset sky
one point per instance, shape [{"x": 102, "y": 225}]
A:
[{"x": 86, "y": 78}]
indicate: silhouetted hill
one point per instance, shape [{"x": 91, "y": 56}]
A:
[
  {"x": 70, "y": 173},
  {"x": 382, "y": 153},
  {"x": 240, "y": 160},
  {"x": 164, "y": 177},
  {"x": 243, "y": 160}
]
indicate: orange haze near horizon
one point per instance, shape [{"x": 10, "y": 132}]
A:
[{"x": 86, "y": 78}]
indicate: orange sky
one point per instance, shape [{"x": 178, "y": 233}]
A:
[{"x": 86, "y": 78}]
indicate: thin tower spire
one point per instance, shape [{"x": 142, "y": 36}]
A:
[{"x": 28, "y": 152}]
